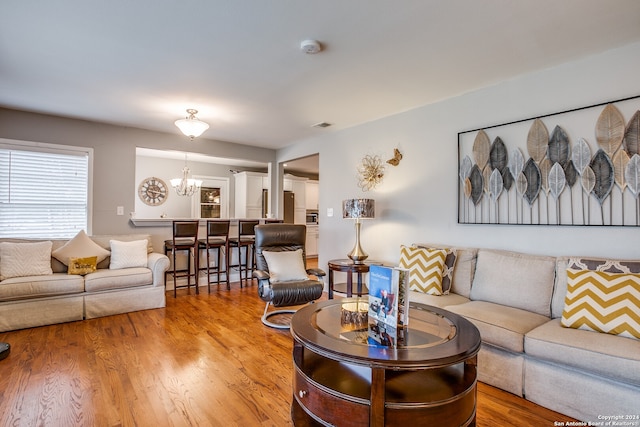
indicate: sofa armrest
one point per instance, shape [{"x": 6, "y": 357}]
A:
[{"x": 158, "y": 263}]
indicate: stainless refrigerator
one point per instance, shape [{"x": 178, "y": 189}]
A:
[{"x": 289, "y": 205}]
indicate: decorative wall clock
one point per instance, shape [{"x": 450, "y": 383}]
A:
[{"x": 153, "y": 191}]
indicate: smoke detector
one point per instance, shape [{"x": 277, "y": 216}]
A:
[{"x": 310, "y": 46}]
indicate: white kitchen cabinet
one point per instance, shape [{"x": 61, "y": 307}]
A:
[
  {"x": 311, "y": 197},
  {"x": 248, "y": 192},
  {"x": 299, "y": 188},
  {"x": 311, "y": 245}
]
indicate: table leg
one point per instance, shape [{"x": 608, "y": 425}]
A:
[
  {"x": 349, "y": 284},
  {"x": 359, "y": 284},
  {"x": 330, "y": 284},
  {"x": 376, "y": 414}
]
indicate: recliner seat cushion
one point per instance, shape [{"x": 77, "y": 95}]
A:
[{"x": 285, "y": 294}]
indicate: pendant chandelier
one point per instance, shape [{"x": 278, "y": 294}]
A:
[
  {"x": 186, "y": 186},
  {"x": 191, "y": 126}
]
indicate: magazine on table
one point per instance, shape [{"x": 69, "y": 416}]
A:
[{"x": 388, "y": 304}]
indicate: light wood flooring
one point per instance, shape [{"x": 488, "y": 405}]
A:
[{"x": 204, "y": 360}]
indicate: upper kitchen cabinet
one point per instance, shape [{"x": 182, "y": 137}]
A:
[
  {"x": 311, "y": 197},
  {"x": 249, "y": 186}
]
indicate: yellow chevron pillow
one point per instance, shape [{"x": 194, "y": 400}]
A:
[
  {"x": 603, "y": 302},
  {"x": 425, "y": 268}
]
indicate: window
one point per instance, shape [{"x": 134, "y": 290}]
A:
[
  {"x": 210, "y": 202},
  {"x": 43, "y": 190}
]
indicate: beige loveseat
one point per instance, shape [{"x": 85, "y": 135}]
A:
[
  {"x": 516, "y": 300},
  {"x": 55, "y": 297}
]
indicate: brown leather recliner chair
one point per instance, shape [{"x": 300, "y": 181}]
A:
[{"x": 280, "y": 238}]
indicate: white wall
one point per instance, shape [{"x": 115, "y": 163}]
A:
[
  {"x": 166, "y": 169},
  {"x": 417, "y": 201},
  {"x": 114, "y": 176}
]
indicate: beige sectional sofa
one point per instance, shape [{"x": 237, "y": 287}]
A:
[
  {"x": 516, "y": 301},
  {"x": 55, "y": 297}
]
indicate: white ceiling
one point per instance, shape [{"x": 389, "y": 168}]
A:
[{"x": 142, "y": 63}]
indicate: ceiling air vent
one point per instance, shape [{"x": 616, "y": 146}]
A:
[{"x": 321, "y": 125}]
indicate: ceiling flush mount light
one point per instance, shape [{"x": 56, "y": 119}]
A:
[
  {"x": 358, "y": 209},
  {"x": 321, "y": 125},
  {"x": 311, "y": 46},
  {"x": 191, "y": 126},
  {"x": 185, "y": 186}
]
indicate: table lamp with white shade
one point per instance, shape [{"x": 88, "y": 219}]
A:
[{"x": 358, "y": 209}]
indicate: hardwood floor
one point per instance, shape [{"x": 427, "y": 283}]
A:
[{"x": 204, "y": 360}]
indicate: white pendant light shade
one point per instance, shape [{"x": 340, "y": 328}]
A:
[{"x": 191, "y": 126}]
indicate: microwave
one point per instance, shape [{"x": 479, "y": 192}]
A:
[{"x": 312, "y": 217}]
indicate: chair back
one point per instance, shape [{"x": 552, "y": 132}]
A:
[
  {"x": 185, "y": 232},
  {"x": 218, "y": 228},
  {"x": 247, "y": 228},
  {"x": 277, "y": 238}
]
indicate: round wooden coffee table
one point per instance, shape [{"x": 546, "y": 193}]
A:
[{"x": 342, "y": 379}]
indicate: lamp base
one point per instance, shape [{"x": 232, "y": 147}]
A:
[
  {"x": 357, "y": 254},
  {"x": 358, "y": 259}
]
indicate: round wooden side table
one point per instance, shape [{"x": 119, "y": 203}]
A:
[{"x": 351, "y": 268}]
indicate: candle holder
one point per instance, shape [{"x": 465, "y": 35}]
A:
[{"x": 354, "y": 315}]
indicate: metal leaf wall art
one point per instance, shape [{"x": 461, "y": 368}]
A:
[
  {"x": 631, "y": 138},
  {"x": 564, "y": 179}
]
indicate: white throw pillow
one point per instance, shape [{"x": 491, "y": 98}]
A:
[
  {"x": 285, "y": 266},
  {"x": 128, "y": 254},
  {"x": 81, "y": 246},
  {"x": 25, "y": 259}
]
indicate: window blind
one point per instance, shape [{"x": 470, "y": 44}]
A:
[{"x": 43, "y": 194}]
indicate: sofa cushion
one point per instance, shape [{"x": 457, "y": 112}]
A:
[
  {"x": 18, "y": 288},
  {"x": 604, "y": 354},
  {"x": 104, "y": 241},
  {"x": 463, "y": 270},
  {"x": 448, "y": 269},
  {"x": 104, "y": 279},
  {"x": 25, "y": 259},
  {"x": 82, "y": 266},
  {"x": 425, "y": 268},
  {"x": 597, "y": 264},
  {"x": 80, "y": 246},
  {"x": 560, "y": 287},
  {"x": 128, "y": 254},
  {"x": 603, "y": 302},
  {"x": 441, "y": 301},
  {"x": 500, "y": 325},
  {"x": 514, "y": 279}
]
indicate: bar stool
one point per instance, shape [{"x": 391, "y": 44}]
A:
[
  {"x": 185, "y": 238},
  {"x": 217, "y": 239},
  {"x": 246, "y": 239}
]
